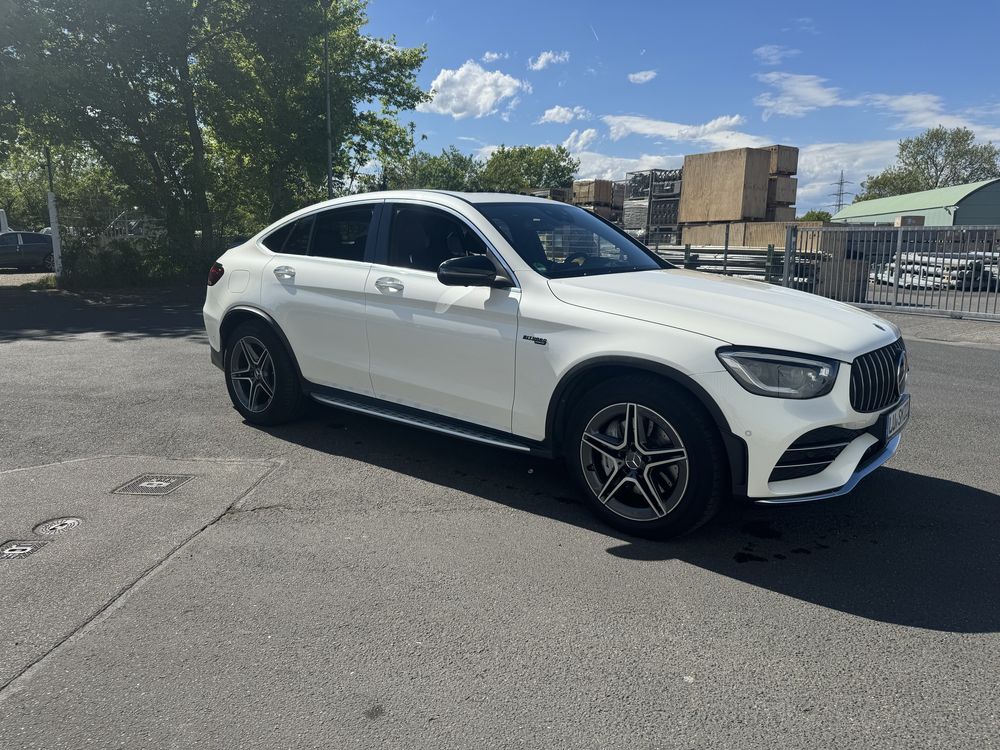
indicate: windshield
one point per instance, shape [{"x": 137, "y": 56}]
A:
[{"x": 560, "y": 241}]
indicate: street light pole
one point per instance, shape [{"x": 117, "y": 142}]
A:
[{"x": 326, "y": 70}]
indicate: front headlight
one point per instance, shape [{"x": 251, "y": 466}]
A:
[{"x": 770, "y": 373}]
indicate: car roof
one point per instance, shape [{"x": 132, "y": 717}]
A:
[{"x": 452, "y": 198}]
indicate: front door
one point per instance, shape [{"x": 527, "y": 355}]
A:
[
  {"x": 444, "y": 349},
  {"x": 314, "y": 286}
]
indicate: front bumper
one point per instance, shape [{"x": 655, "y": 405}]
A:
[
  {"x": 864, "y": 469},
  {"x": 771, "y": 427}
]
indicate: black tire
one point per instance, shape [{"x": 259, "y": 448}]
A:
[
  {"x": 680, "y": 458},
  {"x": 48, "y": 263},
  {"x": 256, "y": 362}
]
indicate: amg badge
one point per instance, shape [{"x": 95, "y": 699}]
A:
[{"x": 537, "y": 339}]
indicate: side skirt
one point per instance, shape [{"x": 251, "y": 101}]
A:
[{"x": 424, "y": 420}]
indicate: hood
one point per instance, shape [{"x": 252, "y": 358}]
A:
[{"x": 735, "y": 311}]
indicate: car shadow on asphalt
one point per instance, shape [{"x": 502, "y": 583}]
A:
[
  {"x": 903, "y": 548},
  {"x": 53, "y": 315}
]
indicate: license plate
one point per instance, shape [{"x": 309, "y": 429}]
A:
[{"x": 896, "y": 419}]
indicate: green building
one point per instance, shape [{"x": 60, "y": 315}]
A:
[{"x": 974, "y": 203}]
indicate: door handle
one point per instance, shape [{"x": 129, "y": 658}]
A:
[
  {"x": 284, "y": 273},
  {"x": 389, "y": 284}
]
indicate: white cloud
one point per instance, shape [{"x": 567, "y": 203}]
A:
[
  {"x": 579, "y": 140},
  {"x": 597, "y": 166},
  {"x": 794, "y": 95},
  {"x": 717, "y": 133},
  {"x": 547, "y": 58},
  {"x": 642, "y": 76},
  {"x": 922, "y": 111},
  {"x": 471, "y": 91},
  {"x": 564, "y": 115},
  {"x": 774, "y": 54},
  {"x": 489, "y": 57},
  {"x": 820, "y": 165}
]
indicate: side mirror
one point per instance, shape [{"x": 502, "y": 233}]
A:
[{"x": 471, "y": 270}]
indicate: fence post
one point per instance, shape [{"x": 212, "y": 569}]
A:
[
  {"x": 769, "y": 264},
  {"x": 725, "y": 252},
  {"x": 896, "y": 265},
  {"x": 687, "y": 255},
  {"x": 791, "y": 237}
]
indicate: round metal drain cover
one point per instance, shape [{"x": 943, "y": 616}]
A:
[{"x": 58, "y": 526}]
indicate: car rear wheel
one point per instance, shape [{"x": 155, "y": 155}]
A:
[
  {"x": 647, "y": 457},
  {"x": 261, "y": 377}
]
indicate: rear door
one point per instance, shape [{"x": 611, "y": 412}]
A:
[
  {"x": 445, "y": 349},
  {"x": 35, "y": 247},
  {"x": 8, "y": 250},
  {"x": 314, "y": 287}
]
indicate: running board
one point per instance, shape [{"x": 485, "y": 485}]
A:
[{"x": 424, "y": 423}]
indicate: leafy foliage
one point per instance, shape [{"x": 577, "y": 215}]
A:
[
  {"x": 815, "y": 215},
  {"x": 449, "y": 170},
  {"x": 85, "y": 185},
  {"x": 207, "y": 111},
  {"x": 939, "y": 157},
  {"x": 513, "y": 170}
]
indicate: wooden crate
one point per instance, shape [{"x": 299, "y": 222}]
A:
[
  {"x": 780, "y": 213},
  {"x": 781, "y": 190},
  {"x": 784, "y": 159},
  {"x": 602, "y": 211},
  {"x": 725, "y": 186},
  {"x": 593, "y": 192}
]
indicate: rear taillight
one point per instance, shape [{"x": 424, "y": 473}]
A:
[{"x": 215, "y": 273}]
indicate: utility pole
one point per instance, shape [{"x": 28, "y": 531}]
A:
[
  {"x": 841, "y": 193},
  {"x": 53, "y": 218},
  {"x": 326, "y": 72}
]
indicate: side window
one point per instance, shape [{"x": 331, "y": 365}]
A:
[
  {"x": 276, "y": 239},
  {"x": 423, "y": 238},
  {"x": 298, "y": 240},
  {"x": 36, "y": 238},
  {"x": 8, "y": 239},
  {"x": 342, "y": 233}
]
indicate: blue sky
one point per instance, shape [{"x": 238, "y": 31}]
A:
[{"x": 637, "y": 85}]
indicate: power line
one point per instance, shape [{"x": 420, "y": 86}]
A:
[{"x": 841, "y": 193}]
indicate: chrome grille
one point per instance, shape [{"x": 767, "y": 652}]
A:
[{"x": 873, "y": 378}]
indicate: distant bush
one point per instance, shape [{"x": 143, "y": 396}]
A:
[{"x": 133, "y": 262}]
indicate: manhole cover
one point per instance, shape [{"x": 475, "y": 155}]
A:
[
  {"x": 57, "y": 526},
  {"x": 15, "y": 550},
  {"x": 153, "y": 484}
]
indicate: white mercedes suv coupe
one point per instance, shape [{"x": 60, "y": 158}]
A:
[{"x": 536, "y": 326}]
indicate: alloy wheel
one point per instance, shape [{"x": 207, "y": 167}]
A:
[
  {"x": 49, "y": 263},
  {"x": 634, "y": 461},
  {"x": 251, "y": 371}
]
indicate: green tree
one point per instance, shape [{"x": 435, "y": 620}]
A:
[
  {"x": 939, "y": 157},
  {"x": 184, "y": 99},
  {"x": 265, "y": 90},
  {"x": 85, "y": 186},
  {"x": 449, "y": 170},
  {"x": 516, "y": 169},
  {"x": 815, "y": 215}
]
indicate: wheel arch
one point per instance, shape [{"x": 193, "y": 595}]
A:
[
  {"x": 585, "y": 375},
  {"x": 247, "y": 313}
]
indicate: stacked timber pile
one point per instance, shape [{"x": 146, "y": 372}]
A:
[{"x": 596, "y": 196}]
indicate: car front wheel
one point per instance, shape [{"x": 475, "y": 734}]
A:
[
  {"x": 261, "y": 377},
  {"x": 647, "y": 457}
]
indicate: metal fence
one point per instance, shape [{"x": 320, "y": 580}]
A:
[{"x": 954, "y": 270}]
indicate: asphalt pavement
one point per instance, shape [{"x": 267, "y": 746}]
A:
[{"x": 344, "y": 582}]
